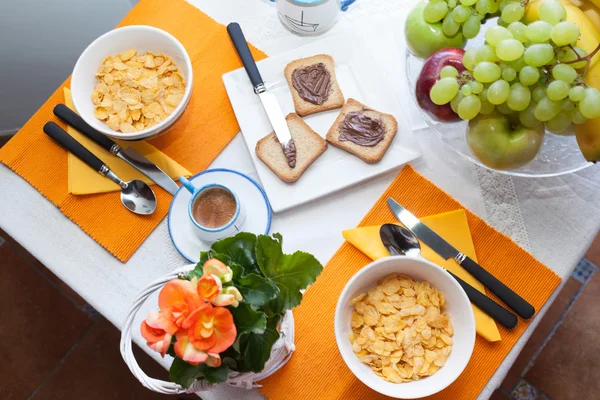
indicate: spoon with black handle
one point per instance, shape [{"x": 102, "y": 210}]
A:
[
  {"x": 399, "y": 240},
  {"x": 136, "y": 195}
]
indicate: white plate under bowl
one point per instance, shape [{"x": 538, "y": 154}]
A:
[
  {"x": 251, "y": 195},
  {"x": 359, "y": 78}
]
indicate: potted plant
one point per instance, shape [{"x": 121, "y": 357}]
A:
[{"x": 226, "y": 319}]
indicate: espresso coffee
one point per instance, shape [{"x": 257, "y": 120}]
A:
[{"x": 214, "y": 207}]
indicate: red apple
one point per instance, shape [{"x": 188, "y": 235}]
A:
[{"x": 429, "y": 76}]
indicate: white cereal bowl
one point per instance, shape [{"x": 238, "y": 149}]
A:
[
  {"x": 142, "y": 38},
  {"x": 457, "y": 306}
]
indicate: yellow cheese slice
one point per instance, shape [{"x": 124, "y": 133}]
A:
[{"x": 454, "y": 228}]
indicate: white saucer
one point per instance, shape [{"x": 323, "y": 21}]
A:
[{"x": 251, "y": 195}]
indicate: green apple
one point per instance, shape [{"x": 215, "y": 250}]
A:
[
  {"x": 501, "y": 142},
  {"x": 423, "y": 38}
]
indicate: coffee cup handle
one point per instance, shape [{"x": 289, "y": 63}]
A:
[{"x": 187, "y": 184}]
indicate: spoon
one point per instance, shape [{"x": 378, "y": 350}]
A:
[
  {"x": 399, "y": 240},
  {"x": 136, "y": 195}
]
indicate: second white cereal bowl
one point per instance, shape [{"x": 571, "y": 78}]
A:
[
  {"x": 457, "y": 306},
  {"x": 141, "y": 38}
]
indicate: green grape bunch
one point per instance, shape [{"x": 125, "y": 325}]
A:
[{"x": 534, "y": 71}]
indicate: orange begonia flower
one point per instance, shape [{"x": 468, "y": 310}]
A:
[
  {"x": 185, "y": 350},
  {"x": 211, "y": 329},
  {"x": 231, "y": 296},
  {"x": 218, "y": 268},
  {"x": 178, "y": 299},
  {"x": 213, "y": 360},
  {"x": 158, "y": 332},
  {"x": 209, "y": 286}
]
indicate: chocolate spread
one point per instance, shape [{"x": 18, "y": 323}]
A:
[
  {"x": 313, "y": 83},
  {"x": 289, "y": 151},
  {"x": 361, "y": 129}
]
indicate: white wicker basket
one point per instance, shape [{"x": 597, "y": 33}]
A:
[{"x": 280, "y": 354}]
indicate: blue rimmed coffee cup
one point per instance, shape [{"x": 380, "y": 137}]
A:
[{"x": 227, "y": 228}]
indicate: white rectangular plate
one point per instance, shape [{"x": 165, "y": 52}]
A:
[{"x": 335, "y": 169}]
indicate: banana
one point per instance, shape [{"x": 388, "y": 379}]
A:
[
  {"x": 596, "y": 3},
  {"x": 588, "y": 133},
  {"x": 592, "y": 13}
]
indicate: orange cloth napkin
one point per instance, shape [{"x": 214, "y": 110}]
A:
[
  {"x": 452, "y": 226},
  {"x": 198, "y": 137},
  {"x": 317, "y": 371},
  {"x": 84, "y": 180}
]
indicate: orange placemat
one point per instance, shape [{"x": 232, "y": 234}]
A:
[
  {"x": 205, "y": 128},
  {"x": 317, "y": 371}
]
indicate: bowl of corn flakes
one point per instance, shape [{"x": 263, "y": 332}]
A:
[
  {"x": 132, "y": 83},
  {"x": 404, "y": 327}
]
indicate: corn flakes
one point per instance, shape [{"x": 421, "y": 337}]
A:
[
  {"x": 400, "y": 329},
  {"x": 136, "y": 91}
]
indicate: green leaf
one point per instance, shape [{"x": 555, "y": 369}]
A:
[
  {"x": 240, "y": 249},
  {"x": 230, "y": 352},
  {"x": 256, "y": 290},
  {"x": 275, "y": 306},
  {"x": 183, "y": 373},
  {"x": 214, "y": 375},
  {"x": 291, "y": 273},
  {"x": 268, "y": 254},
  {"x": 230, "y": 362},
  {"x": 248, "y": 320},
  {"x": 238, "y": 270},
  {"x": 273, "y": 321},
  {"x": 256, "y": 349}
]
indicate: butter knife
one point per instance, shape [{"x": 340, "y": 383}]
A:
[
  {"x": 129, "y": 155},
  {"x": 268, "y": 100},
  {"x": 446, "y": 250}
]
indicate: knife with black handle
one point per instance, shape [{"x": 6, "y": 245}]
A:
[
  {"x": 72, "y": 118},
  {"x": 239, "y": 42},
  {"x": 267, "y": 98},
  {"x": 484, "y": 303},
  {"x": 487, "y": 305},
  {"x": 447, "y": 251}
]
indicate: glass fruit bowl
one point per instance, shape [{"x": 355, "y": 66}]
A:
[{"x": 558, "y": 154}]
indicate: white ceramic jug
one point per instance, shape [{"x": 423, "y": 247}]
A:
[{"x": 310, "y": 17}]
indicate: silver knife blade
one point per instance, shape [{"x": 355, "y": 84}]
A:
[
  {"x": 276, "y": 117},
  {"x": 423, "y": 232},
  {"x": 148, "y": 168}
]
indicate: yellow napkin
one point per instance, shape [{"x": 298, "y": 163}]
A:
[
  {"x": 454, "y": 228},
  {"x": 84, "y": 180}
]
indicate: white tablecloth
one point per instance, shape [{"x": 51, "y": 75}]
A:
[{"x": 553, "y": 218}]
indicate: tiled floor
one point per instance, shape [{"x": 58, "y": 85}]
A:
[
  {"x": 560, "y": 360},
  {"x": 54, "y": 346}
]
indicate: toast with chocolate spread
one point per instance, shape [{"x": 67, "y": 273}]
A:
[
  {"x": 289, "y": 166},
  {"x": 313, "y": 85},
  {"x": 362, "y": 131}
]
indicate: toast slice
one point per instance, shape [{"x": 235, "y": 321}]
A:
[
  {"x": 369, "y": 154},
  {"x": 319, "y": 66},
  {"x": 309, "y": 146}
]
